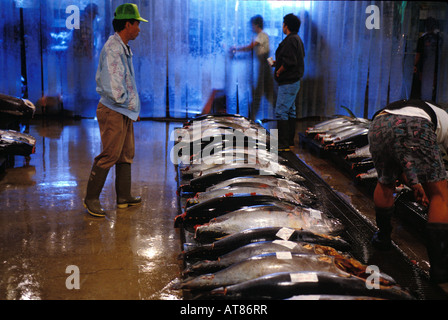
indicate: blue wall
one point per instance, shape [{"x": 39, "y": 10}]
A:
[{"x": 182, "y": 54}]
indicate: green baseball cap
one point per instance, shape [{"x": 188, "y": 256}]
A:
[{"x": 128, "y": 11}]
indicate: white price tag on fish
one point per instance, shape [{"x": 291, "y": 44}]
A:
[
  {"x": 315, "y": 214},
  {"x": 285, "y": 243},
  {"x": 284, "y": 255},
  {"x": 304, "y": 277},
  {"x": 285, "y": 233}
]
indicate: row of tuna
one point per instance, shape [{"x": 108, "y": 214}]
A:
[
  {"x": 13, "y": 142},
  {"x": 253, "y": 228},
  {"x": 348, "y": 135}
]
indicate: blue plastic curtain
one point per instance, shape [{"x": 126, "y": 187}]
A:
[{"x": 182, "y": 54}]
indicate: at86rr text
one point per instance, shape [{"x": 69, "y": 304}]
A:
[{"x": 245, "y": 309}]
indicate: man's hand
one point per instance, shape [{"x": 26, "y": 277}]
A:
[{"x": 420, "y": 195}]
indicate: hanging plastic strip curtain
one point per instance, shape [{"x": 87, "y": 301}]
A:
[{"x": 184, "y": 53}]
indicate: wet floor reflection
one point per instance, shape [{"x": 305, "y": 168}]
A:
[{"x": 132, "y": 254}]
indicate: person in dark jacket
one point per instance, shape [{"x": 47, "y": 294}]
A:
[{"x": 289, "y": 68}]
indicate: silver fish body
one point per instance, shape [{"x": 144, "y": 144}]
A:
[
  {"x": 343, "y": 135},
  {"x": 257, "y": 248},
  {"x": 16, "y": 143},
  {"x": 265, "y": 264},
  {"x": 363, "y": 152},
  {"x": 270, "y": 168},
  {"x": 269, "y": 216},
  {"x": 328, "y": 125},
  {"x": 370, "y": 174},
  {"x": 257, "y": 180},
  {"x": 231, "y": 242},
  {"x": 280, "y": 193},
  {"x": 232, "y": 154},
  {"x": 287, "y": 285}
]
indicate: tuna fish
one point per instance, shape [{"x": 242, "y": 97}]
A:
[
  {"x": 229, "y": 155},
  {"x": 229, "y": 243},
  {"x": 279, "y": 193},
  {"x": 284, "y": 285},
  {"x": 270, "y": 263},
  {"x": 16, "y": 106},
  {"x": 200, "y": 184},
  {"x": 329, "y": 124},
  {"x": 271, "y": 181},
  {"x": 363, "y": 152},
  {"x": 345, "y": 134},
  {"x": 268, "y": 216},
  {"x": 205, "y": 211},
  {"x": 203, "y": 147},
  {"x": 350, "y": 142},
  {"x": 270, "y": 168},
  {"x": 303, "y": 193},
  {"x": 16, "y": 143},
  {"x": 208, "y": 132},
  {"x": 215, "y": 120},
  {"x": 328, "y": 135},
  {"x": 370, "y": 174},
  {"x": 257, "y": 248},
  {"x": 363, "y": 165}
]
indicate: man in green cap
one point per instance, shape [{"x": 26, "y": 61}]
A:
[{"x": 117, "y": 109}]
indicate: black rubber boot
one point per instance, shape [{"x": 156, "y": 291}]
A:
[
  {"x": 283, "y": 135},
  {"x": 123, "y": 186},
  {"x": 94, "y": 186},
  {"x": 437, "y": 247},
  {"x": 382, "y": 238},
  {"x": 292, "y": 131}
]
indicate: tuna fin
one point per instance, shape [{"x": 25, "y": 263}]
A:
[{"x": 349, "y": 112}]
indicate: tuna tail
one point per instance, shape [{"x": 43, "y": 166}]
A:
[
  {"x": 357, "y": 269},
  {"x": 179, "y": 219},
  {"x": 202, "y": 267},
  {"x": 185, "y": 188},
  {"x": 199, "y": 252},
  {"x": 204, "y": 235},
  {"x": 202, "y": 282},
  {"x": 176, "y": 285}
]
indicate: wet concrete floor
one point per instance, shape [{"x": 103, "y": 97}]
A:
[
  {"x": 131, "y": 254},
  {"x": 44, "y": 228}
]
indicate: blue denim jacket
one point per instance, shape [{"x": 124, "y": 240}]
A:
[{"x": 115, "y": 78}]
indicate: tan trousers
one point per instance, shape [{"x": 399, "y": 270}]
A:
[{"x": 117, "y": 138}]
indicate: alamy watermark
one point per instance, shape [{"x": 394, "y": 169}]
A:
[
  {"x": 73, "y": 280},
  {"x": 72, "y": 21},
  {"x": 373, "y": 281},
  {"x": 373, "y": 20}
]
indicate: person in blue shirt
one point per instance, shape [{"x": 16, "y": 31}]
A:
[{"x": 118, "y": 108}]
